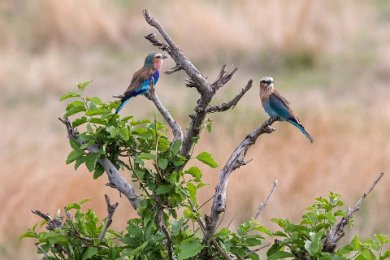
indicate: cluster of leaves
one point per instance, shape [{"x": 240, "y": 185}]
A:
[
  {"x": 167, "y": 189},
  {"x": 304, "y": 240},
  {"x": 77, "y": 237}
]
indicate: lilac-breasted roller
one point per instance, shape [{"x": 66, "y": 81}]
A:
[
  {"x": 275, "y": 105},
  {"x": 143, "y": 79}
]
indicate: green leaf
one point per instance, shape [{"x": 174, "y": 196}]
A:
[
  {"x": 74, "y": 110},
  {"x": 163, "y": 189},
  {"x": 192, "y": 190},
  {"x": 356, "y": 244},
  {"x": 90, "y": 161},
  {"x": 97, "y": 111},
  {"x": 83, "y": 85},
  {"x": 124, "y": 133},
  {"x": 95, "y": 100},
  {"x": 78, "y": 162},
  {"x": 99, "y": 121},
  {"x": 73, "y": 205},
  {"x": 314, "y": 245},
  {"x": 91, "y": 251},
  {"x": 146, "y": 156},
  {"x": 195, "y": 172},
  {"x": 89, "y": 129},
  {"x": 99, "y": 170},
  {"x": 163, "y": 163},
  {"x": 29, "y": 234},
  {"x": 74, "y": 155},
  {"x": 279, "y": 255},
  {"x": 175, "y": 146},
  {"x": 69, "y": 95},
  {"x": 188, "y": 213},
  {"x": 206, "y": 158},
  {"x": 189, "y": 248},
  {"x": 74, "y": 144},
  {"x": 79, "y": 121}
]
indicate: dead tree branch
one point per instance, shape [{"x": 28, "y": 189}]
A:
[
  {"x": 265, "y": 202},
  {"x": 52, "y": 223},
  {"x": 337, "y": 231},
  {"x": 173, "y": 70},
  {"x": 196, "y": 80},
  {"x": 111, "y": 210},
  {"x": 176, "y": 54},
  {"x": 223, "y": 77},
  {"x": 114, "y": 177},
  {"x": 176, "y": 130},
  {"x": 235, "y": 161},
  {"x": 232, "y": 103}
]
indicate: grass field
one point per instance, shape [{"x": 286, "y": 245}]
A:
[{"x": 330, "y": 59}]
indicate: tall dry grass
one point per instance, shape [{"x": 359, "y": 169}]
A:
[{"x": 330, "y": 59}]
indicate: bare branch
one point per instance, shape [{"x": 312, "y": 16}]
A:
[
  {"x": 265, "y": 202},
  {"x": 223, "y": 77},
  {"x": 232, "y": 103},
  {"x": 235, "y": 161},
  {"x": 173, "y": 70},
  {"x": 178, "y": 56},
  {"x": 161, "y": 225},
  {"x": 113, "y": 174},
  {"x": 337, "y": 231},
  {"x": 152, "y": 38},
  {"x": 176, "y": 130},
  {"x": 111, "y": 210}
]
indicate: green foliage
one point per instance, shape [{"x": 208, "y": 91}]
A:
[
  {"x": 304, "y": 240},
  {"x": 77, "y": 237},
  {"x": 168, "y": 197}
]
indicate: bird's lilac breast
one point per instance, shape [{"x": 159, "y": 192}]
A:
[{"x": 268, "y": 109}]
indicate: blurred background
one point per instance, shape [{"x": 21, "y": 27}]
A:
[{"x": 331, "y": 59}]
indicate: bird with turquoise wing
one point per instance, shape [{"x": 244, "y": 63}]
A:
[
  {"x": 143, "y": 79},
  {"x": 275, "y": 105}
]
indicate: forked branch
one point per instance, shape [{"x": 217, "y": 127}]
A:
[
  {"x": 235, "y": 161},
  {"x": 176, "y": 130},
  {"x": 110, "y": 210},
  {"x": 176, "y": 54},
  {"x": 196, "y": 80},
  {"x": 232, "y": 103}
]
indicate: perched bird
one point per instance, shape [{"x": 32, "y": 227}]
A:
[
  {"x": 277, "y": 106},
  {"x": 143, "y": 79}
]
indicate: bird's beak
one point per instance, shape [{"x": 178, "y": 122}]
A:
[{"x": 164, "y": 57}]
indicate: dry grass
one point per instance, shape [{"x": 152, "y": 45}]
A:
[{"x": 325, "y": 56}]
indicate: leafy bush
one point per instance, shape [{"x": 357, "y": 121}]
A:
[{"x": 168, "y": 212}]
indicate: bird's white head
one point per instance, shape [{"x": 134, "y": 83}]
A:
[
  {"x": 158, "y": 60},
  {"x": 266, "y": 83}
]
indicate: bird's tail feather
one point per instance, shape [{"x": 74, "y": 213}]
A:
[
  {"x": 300, "y": 127},
  {"x": 121, "y": 105}
]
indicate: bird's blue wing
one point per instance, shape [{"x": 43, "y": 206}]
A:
[{"x": 279, "y": 106}]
